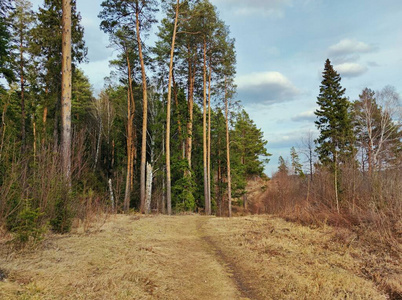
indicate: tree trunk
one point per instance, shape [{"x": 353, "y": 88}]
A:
[
  {"x": 148, "y": 189},
  {"x": 127, "y": 193},
  {"x": 228, "y": 154},
  {"x": 111, "y": 193},
  {"x": 209, "y": 139},
  {"x": 204, "y": 131},
  {"x": 168, "y": 175},
  {"x": 3, "y": 126},
  {"x": 130, "y": 140},
  {"x": 218, "y": 188},
  {"x": 180, "y": 132},
  {"x": 190, "y": 96},
  {"x": 370, "y": 157},
  {"x": 44, "y": 119},
  {"x": 163, "y": 204},
  {"x": 144, "y": 114},
  {"x": 311, "y": 163},
  {"x": 66, "y": 91},
  {"x": 98, "y": 143},
  {"x": 22, "y": 91},
  {"x": 336, "y": 181},
  {"x": 34, "y": 140}
]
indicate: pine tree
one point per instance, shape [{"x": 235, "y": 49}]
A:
[
  {"x": 117, "y": 15},
  {"x": 46, "y": 47},
  {"x": 249, "y": 153}
]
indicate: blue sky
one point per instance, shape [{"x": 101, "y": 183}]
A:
[{"x": 281, "y": 49}]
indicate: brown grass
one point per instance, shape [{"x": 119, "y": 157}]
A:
[
  {"x": 376, "y": 233},
  {"x": 282, "y": 260},
  {"x": 129, "y": 258},
  {"x": 189, "y": 257}
]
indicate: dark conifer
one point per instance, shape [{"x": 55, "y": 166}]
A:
[{"x": 335, "y": 142}]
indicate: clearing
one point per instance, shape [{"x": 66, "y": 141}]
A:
[{"x": 188, "y": 257}]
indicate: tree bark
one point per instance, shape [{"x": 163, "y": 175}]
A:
[
  {"x": 189, "y": 142},
  {"x": 130, "y": 141},
  {"x": 144, "y": 114},
  {"x": 66, "y": 91},
  {"x": 44, "y": 118},
  {"x": 228, "y": 154},
  {"x": 209, "y": 138},
  {"x": 148, "y": 189},
  {"x": 163, "y": 204},
  {"x": 98, "y": 144},
  {"x": 204, "y": 131},
  {"x": 111, "y": 193},
  {"x": 336, "y": 181},
  {"x": 23, "y": 117},
  {"x": 34, "y": 136},
  {"x": 176, "y": 100},
  {"x": 168, "y": 174},
  {"x": 126, "y": 203}
]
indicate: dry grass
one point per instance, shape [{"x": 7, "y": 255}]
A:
[
  {"x": 282, "y": 260},
  {"x": 188, "y": 257},
  {"x": 129, "y": 258}
]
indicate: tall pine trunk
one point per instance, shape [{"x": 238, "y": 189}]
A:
[
  {"x": 144, "y": 115},
  {"x": 130, "y": 140},
  {"x": 229, "y": 179},
  {"x": 189, "y": 141},
  {"x": 169, "y": 98},
  {"x": 204, "y": 131},
  {"x": 209, "y": 138},
  {"x": 66, "y": 91},
  {"x": 127, "y": 192}
]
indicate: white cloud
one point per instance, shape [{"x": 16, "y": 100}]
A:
[
  {"x": 350, "y": 69},
  {"x": 266, "y": 87},
  {"x": 348, "y": 46}
]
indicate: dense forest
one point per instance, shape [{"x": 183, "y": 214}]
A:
[
  {"x": 159, "y": 137},
  {"x": 167, "y": 133}
]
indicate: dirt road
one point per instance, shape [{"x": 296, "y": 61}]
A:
[{"x": 186, "y": 257}]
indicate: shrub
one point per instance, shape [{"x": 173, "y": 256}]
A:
[
  {"x": 63, "y": 215},
  {"x": 28, "y": 227}
]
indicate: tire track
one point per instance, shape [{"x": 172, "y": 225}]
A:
[{"x": 239, "y": 278}]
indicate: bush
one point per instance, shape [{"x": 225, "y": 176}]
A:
[
  {"x": 63, "y": 215},
  {"x": 28, "y": 227}
]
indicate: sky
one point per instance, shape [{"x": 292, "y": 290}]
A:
[{"x": 281, "y": 49}]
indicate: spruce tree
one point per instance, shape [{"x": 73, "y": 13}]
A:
[
  {"x": 282, "y": 166},
  {"x": 5, "y": 70},
  {"x": 297, "y": 167},
  {"x": 335, "y": 142}
]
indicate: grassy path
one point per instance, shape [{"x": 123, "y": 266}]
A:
[{"x": 186, "y": 257}]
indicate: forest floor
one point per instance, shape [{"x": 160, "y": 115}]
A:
[{"x": 189, "y": 257}]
